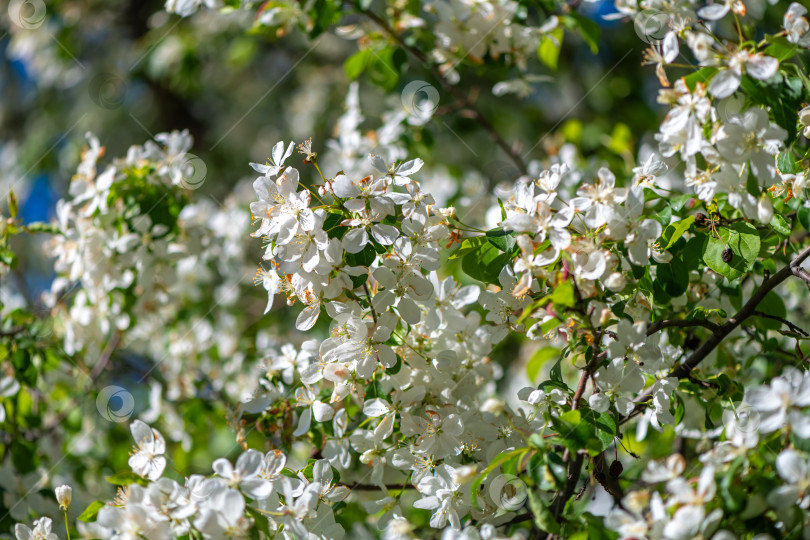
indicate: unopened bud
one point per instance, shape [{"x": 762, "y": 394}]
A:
[
  {"x": 464, "y": 474},
  {"x": 615, "y": 282},
  {"x": 64, "y": 494},
  {"x": 494, "y": 406}
]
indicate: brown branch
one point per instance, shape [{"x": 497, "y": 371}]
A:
[
  {"x": 13, "y": 331},
  {"x": 464, "y": 101},
  {"x": 370, "y": 305},
  {"x": 575, "y": 467},
  {"x": 685, "y": 369},
  {"x": 800, "y": 272},
  {"x": 786, "y": 322},
  {"x": 660, "y": 325},
  {"x": 373, "y": 487}
]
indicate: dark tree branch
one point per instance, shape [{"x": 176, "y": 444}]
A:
[
  {"x": 685, "y": 369},
  {"x": 370, "y": 305},
  {"x": 373, "y": 487},
  {"x": 786, "y": 322},
  {"x": 660, "y": 325},
  {"x": 800, "y": 272},
  {"x": 13, "y": 331}
]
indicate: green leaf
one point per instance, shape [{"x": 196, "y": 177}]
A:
[
  {"x": 538, "y": 359},
  {"x": 549, "y": 49},
  {"x": 780, "y": 225},
  {"x": 393, "y": 370},
  {"x": 700, "y": 76},
  {"x": 772, "y": 304},
  {"x": 385, "y": 67},
  {"x": 501, "y": 239},
  {"x": 357, "y": 63},
  {"x": 605, "y": 424},
  {"x": 261, "y": 521},
  {"x": 485, "y": 264},
  {"x": 323, "y": 14},
  {"x": 126, "y": 478},
  {"x": 780, "y": 48},
  {"x": 556, "y": 372},
  {"x": 803, "y": 215},
  {"x": 12, "y": 204},
  {"x": 563, "y": 295},
  {"x": 786, "y": 163},
  {"x": 362, "y": 258},
  {"x": 744, "y": 241},
  {"x": 733, "y": 496},
  {"x": 679, "y": 201},
  {"x": 675, "y": 231},
  {"x": 468, "y": 245},
  {"x": 543, "y": 517},
  {"x": 589, "y": 30},
  {"x": 576, "y": 433},
  {"x": 706, "y": 314},
  {"x": 501, "y": 458},
  {"x": 91, "y": 512},
  {"x": 8, "y": 257},
  {"x": 673, "y": 277}
]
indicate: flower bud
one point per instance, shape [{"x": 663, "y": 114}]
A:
[
  {"x": 804, "y": 116},
  {"x": 64, "y": 494},
  {"x": 464, "y": 473},
  {"x": 615, "y": 282},
  {"x": 764, "y": 209},
  {"x": 494, "y": 406}
]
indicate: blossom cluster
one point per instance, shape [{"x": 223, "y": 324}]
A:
[{"x": 393, "y": 400}]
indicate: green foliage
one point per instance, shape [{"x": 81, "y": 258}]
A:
[
  {"x": 744, "y": 242},
  {"x": 485, "y": 263},
  {"x": 538, "y": 359},
  {"x": 549, "y": 50},
  {"x": 90, "y": 513},
  {"x": 586, "y": 430}
]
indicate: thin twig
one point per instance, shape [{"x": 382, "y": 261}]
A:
[
  {"x": 463, "y": 100},
  {"x": 660, "y": 325},
  {"x": 786, "y": 322},
  {"x": 372, "y": 487},
  {"x": 13, "y": 331},
  {"x": 370, "y": 305}
]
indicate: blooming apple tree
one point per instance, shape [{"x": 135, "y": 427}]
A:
[{"x": 594, "y": 348}]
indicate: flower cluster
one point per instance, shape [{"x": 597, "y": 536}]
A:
[{"x": 641, "y": 294}]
